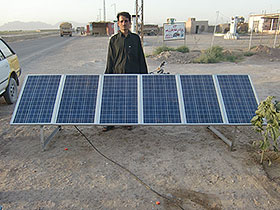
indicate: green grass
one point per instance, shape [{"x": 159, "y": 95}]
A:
[
  {"x": 182, "y": 49},
  {"x": 161, "y": 49},
  {"x": 248, "y": 53}
]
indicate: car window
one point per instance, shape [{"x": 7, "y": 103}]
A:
[
  {"x": 1, "y": 56},
  {"x": 5, "y": 50}
]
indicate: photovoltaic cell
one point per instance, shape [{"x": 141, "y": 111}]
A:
[
  {"x": 78, "y": 99},
  {"x": 160, "y": 99},
  {"x": 119, "y": 100},
  {"x": 38, "y": 99},
  {"x": 239, "y": 98},
  {"x": 200, "y": 99}
]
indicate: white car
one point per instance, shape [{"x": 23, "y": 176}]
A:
[{"x": 9, "y": 73}]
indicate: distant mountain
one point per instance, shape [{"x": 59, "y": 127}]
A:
[{"x": 18, "y": 25}]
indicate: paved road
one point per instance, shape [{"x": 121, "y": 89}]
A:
[
  {"x": 62, "y": 55},
  {"x": 32, "y": 49}
]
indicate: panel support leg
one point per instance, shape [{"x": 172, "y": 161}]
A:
[
  {"x": 49, "y": 138},
  {"x": 221, "y": 136}
]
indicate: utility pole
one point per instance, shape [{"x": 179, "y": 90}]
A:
[
  {"x": 141, "y": 18},
  {"x": 104, "y": 10},
  {"x": 217, "y": 12},
  {"x": 100, "y": 15},
  {"x": 136, "y": 12},
  {"x": 142, "y": 21},
  {"x": 277, "y": 29},
  {"x": 115, "y": 10}
]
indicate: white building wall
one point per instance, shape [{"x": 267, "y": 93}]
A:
[{"x": 257, "y": 28}]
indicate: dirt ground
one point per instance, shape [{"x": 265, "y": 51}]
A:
[{"x": 188, "y": 164}]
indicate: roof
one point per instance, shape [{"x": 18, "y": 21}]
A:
[{"x": 273, "y": 15}]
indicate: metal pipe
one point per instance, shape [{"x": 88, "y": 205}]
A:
[
  {"x": 277, "y": 28},
  {"x": 214, "y": 30},
  {"x": 221, "y": 136}
]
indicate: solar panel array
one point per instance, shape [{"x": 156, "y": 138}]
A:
[{"x": 136, "y": 99}]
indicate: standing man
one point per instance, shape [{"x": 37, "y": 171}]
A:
[{"x": 125, "y": 52}]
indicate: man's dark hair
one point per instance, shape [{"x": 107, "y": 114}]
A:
[{"x": 125, "y": 14}]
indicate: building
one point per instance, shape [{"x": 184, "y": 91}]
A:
[
  {"x": 196, "y": 27},
  {"x": 101, "y": 28},
  {"x": 151, "y": 30},
  {"x": 266, "y": 23}
]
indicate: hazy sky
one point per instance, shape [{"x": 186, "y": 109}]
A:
[{"x": 155, "y": 11}]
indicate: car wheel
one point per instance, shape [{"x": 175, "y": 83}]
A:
[{"x": 10, "y": 94}]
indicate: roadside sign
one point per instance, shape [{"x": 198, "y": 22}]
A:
[{"x": 174, "y": 31}]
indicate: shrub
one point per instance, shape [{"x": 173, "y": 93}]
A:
[
  {"x": 267, "y": 122},
  {"x": 232, "y": 58},
  {"x": 183, "y": 49},
  {"x": 161, "y": 49},
  {"x": 248, "y": 53},
  {"x": 211, "y": 55},
  {"x": 216, "y": 54}
]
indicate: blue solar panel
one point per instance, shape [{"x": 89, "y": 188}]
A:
[
  {"x": 116, "y": 102},
  {"x": 78, "y": 99},
  {"x": 239, "y": 98},
  {"x": 37, "y": 100},
  {"x": 160, "y": 99},
  {"x": 119, "y": 100},
  {"x": 200, "y": 99}
]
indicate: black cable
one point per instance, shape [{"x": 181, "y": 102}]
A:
[{"x": 131, "y": 173}]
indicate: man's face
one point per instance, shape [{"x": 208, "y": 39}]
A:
[{"x": 124, "y": 24}]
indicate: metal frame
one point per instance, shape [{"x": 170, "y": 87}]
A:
[
  {"x": 58, "y": 99},
  {"x": 221, "y": 136},
  {"x": 18, "y": 101},
  {"x": 46, "y": 141},
  {"x": 181, "y": 101},
  {"x": 220, "y": 98}
]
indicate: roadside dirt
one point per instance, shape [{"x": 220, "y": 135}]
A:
[
  {"x": 177, "y": 57},
  {"x": 188, "y": 164},
  {"x": 260, "y": 52}
]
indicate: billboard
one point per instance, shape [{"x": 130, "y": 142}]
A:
[{"x": 173, "y": 31}]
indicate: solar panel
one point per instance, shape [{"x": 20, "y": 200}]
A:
[
  {"x": 238, "y": 98},
  {"x": 200, "y": 99},
  {"x": 119, "y": 103},
  {"x": 136, "y": 99},
  {"x": 160, "y": 99},
  {"x": 37, "y": 100},
  {"x": 78, "y": 99}
]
